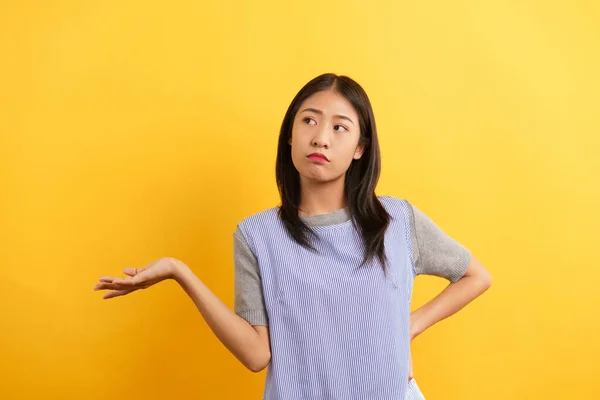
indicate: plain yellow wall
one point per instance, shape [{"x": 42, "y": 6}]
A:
[{"x": 135, "y": 130}]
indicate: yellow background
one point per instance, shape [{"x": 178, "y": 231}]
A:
[{"x": 136, "y": 130}]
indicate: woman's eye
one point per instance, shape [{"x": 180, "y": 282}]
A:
[{"x": 308, "y": 120}]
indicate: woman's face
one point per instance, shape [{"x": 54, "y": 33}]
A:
[{"x": 325, "y": 123}]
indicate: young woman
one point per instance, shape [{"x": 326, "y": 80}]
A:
[{"x": 323, "y": 282}]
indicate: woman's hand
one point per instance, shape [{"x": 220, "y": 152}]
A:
[{"x": 139, "y": 278}]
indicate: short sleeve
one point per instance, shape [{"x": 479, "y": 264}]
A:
[
  {"x": 435, "y": 252},
  {"x": 248, "y": 294}
]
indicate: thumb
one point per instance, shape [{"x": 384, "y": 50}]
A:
[
  {"x": 133, "y": 271},
  {"x": 137, "y": 276}
]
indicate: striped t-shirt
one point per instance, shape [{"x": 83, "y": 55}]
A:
[{"x": 338, "y": 332}]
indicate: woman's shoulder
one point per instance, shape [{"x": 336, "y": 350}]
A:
[
  {"x": 394, "y": 203},
  {"x": 260, "y": 217}
]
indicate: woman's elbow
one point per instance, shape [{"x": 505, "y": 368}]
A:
[
  {"x": 478, "y": 273},
  {"x": 259, "y": 363},
  {"x": 486, "y": 280}
]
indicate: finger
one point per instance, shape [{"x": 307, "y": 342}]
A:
[
  {"x": 132, "y": 271},
  {"x": 141, "y": 277},
  {"x": 104, "y": 286},
  {"x": 106, "y": 279},
  {"x": 114, "y": 286},
  {"x": 117, "y": 293}
]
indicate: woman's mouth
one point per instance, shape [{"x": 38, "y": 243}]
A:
[{"x": 319, "y": 157}]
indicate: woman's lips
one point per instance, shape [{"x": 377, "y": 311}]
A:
[{"x": 318, "y": 157}]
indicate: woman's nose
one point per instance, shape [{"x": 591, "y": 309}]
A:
[{"x": 322, "y": 137}]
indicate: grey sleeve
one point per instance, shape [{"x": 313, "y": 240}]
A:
[
  {"x": 248, "y": 294},
  {"x": 434, "y": 252}
]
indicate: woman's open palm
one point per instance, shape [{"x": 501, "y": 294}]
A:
[{"x": 139, "y": 278}]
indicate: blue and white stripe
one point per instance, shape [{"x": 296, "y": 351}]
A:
[{"x": 337, "y": 332}]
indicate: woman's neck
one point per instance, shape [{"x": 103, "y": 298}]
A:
[{"x": 321, "y": 198}]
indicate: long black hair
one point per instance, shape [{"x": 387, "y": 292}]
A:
[{"x": 368, "y": 215}]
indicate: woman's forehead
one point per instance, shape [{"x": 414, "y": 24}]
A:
[{"x": 329, "y": 103}]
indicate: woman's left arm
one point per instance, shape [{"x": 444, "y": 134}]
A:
[{"x": 457, "y": 295}]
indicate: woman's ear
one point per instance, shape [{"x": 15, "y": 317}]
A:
[{"x": 360, "y": 149}]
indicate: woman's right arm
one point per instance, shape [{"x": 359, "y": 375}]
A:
[{"x": 249, "y": 344}]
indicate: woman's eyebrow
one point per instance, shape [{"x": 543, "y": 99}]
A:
[{"x": 321, "y": 113}]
